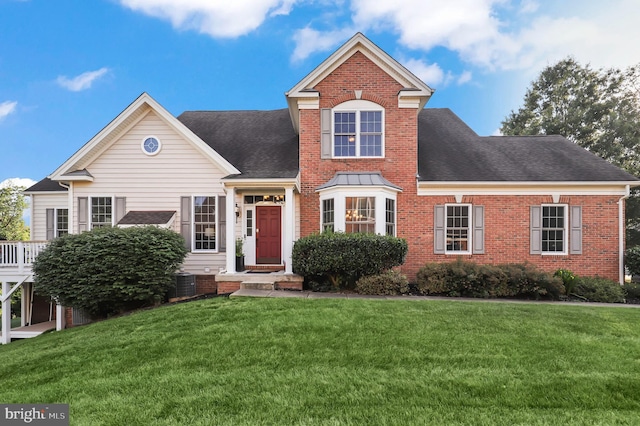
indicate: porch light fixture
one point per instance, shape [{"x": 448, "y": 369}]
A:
[{"x": 237, "y": 212}]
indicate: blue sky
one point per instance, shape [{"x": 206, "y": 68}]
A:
[{"x": 68, "y": 67}]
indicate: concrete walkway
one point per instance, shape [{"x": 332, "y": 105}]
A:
[{"x": 314, "y": 295}]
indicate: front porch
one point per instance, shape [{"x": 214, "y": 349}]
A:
[{"x": 16, "y": 260}]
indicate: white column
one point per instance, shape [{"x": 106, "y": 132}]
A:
[
  {"x": 289, "y": 229},
  {"x": 60, "y": 320},
  {"x": 24, "y": 305},
  {"x": 231, "y": 230},
  {"x": 6, "y": 314}
]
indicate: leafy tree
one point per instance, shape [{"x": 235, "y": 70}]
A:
[
  {"x": 596, "y": 109},
  {"x": 12, "y": 205},
  {"x": 110, "y": 270}
]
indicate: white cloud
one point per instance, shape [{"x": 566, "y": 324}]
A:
[
  {"x": 213, "y": 17},
  {"x": 82, "y": 81},
  {"x": 309, "y": 41},
  {"x": 7, "y": 107},
  {"x": 26, "y": 182},
  {"x": 501, "y": 34}
]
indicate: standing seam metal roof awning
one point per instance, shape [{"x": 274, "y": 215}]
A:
[{"x": 358, "y": 179}]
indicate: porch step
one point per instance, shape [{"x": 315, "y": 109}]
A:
[
  {"x": 257, "y": 285},
  {"x": 264, "y": 268}
]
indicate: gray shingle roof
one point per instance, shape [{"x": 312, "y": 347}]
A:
[
  {"x": 147, "y": 218},
  {"x": 261, "y": 144},
  {"x": 448, "y": 150},
  {"x": 46, "y": 185},
  {"x": 357, "y": 179}
]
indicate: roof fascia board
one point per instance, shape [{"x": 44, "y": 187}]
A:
[
  {"x": 523, "y": 188},
  {"x": 261, "y": 183}
]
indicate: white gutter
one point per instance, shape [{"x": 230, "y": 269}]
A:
[{"x": 622, "y": 232}]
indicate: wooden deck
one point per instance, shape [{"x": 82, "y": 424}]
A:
[
  {"x": 32, "y": 330},
  {"x": 16, "y": 258}
]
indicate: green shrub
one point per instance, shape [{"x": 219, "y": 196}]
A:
[
  {"x": 632, "y": 260},
  {"x": 434, "y": 278},
  {"x": 596, "y": 289},
  {"x": 632, "y": 290},
  {"x": 110, "y": 270},
  {"x": 344, "y": 258},
  {"x": 568, "y": 279},
  {"x": 468, "y": 279},
  {"x": 526, "y": 281},
  {"x": 461, "y": 278},
  {"x": 387, "y": 283}
]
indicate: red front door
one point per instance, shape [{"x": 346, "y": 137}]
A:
[{"x": 268, "y": 235}]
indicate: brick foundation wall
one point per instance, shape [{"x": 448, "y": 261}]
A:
[
  {"x": 225, "y": 287},
  {"x": 206, "y": 284}
]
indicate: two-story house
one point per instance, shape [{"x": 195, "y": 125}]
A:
[{"x": 355, "y": 150}]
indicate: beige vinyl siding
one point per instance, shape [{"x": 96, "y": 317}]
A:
[
  {"x": 39, "y": 205},
  {"x": 154, "y": 182}
]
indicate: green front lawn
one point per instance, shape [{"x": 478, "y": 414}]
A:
[{"x": 337, "y": 361}]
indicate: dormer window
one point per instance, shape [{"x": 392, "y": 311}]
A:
[{"x": 358, "y": 130}]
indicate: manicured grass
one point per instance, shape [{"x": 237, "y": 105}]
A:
[{"x": 337, "y": 361}]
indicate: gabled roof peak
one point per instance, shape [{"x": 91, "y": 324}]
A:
[{"x": 304, "y": 90}]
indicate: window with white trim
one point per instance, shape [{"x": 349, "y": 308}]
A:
[
  {"x": 360, "y": 215},
  {"x": 358, "y": 130},
  {"x": 351, "y": 212},
  {"x": 328, "y": 215},
  {"x": 62, "y": 222},
  {"x": 205, "y": 224},
  {"x": 554, "y": 229},
  {"x": 390, "y": 217},
  {"x": 101, "y": 212},
  {"x": 458, "y": 228}
]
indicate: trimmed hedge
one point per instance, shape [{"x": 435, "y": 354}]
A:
[
  {"x": 596, "y": 289},
  {"x": 342, "y": 258},
  {"x": 110, "y": 270},
  {"x": 468, "y": 279},
  {"x": 387, "y": 283}
]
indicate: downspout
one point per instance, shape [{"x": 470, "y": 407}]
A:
[{"x": 622, "y": 232}]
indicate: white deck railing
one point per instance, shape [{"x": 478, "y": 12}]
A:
[{"x": 18, "y": 255}]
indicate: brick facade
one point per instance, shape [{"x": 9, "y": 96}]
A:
[
  {"x": 507, "y": 228},
  {"x": 206, "y": 284}
]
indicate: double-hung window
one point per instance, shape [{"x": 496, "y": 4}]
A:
[
  {"x": 358, "y": 130},
  {"x": 204, "y": 223},
  {"x": 556, "y": 229},
  {"x": 458, "y": 228},
  {"x": 62, "y": 222},
  {"x": 101, "y": 212}
]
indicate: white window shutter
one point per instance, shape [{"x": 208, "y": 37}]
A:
[
  {"x": 536, "y": 230},
  {"x": 575, "y": 239},
  {"x": 439, "y": 243},
  {"x": 478, "y": 229},
  {"x": 325, "y": 133}
]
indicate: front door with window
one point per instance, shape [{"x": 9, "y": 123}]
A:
[{"x": 268, "y": 235}]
